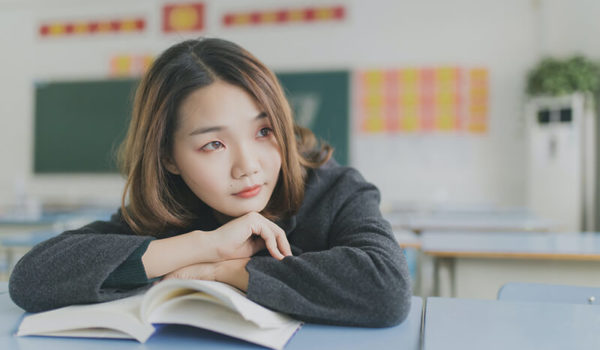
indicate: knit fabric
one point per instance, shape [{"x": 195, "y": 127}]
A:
[{"x": 346, "y": 268}]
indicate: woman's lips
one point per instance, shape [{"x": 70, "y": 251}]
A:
[{"x": 249, "y": 192}]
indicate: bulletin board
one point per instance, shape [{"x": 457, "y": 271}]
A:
[{"x": 80, "y": 124}]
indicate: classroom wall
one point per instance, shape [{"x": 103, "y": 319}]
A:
[
  {"x": 507, "y": 37},
  {"x": 570, "y": 27}
]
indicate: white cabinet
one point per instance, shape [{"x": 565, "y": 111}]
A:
[{"x": 561, "y": 160}]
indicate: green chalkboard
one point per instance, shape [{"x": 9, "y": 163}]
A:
[
  {"x": 79, "y": 124},
  {"x": 320, "y": 101}
]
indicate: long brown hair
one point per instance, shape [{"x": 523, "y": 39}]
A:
[{"x": 159, "y": 200}]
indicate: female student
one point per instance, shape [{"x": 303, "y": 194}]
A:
[{"x": 217, "y": 171}]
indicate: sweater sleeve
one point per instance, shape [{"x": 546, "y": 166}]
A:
[
  {"x": 131, "y": 273},
  {"x": 361, "y": 279},
  {"x": 72, "y": 267}
]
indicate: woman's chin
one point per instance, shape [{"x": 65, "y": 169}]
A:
[{"x": 227, "y": 215}]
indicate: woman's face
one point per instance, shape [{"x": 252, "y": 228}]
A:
[{"x": 225, "y": 151}]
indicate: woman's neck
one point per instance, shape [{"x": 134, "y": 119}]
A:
[{"x": 221, "y": 218}]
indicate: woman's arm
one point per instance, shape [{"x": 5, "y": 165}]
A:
[
  {"x": 358, "y": 278},
  {"x": 169, "y": 254},
  {"x": 71, "y": 267},
  {"x": 94, "y": 264},
  {"x": 240, "y": 238},
  {"x": 232, "y": 272}
]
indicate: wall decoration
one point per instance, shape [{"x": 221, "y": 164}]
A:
[
  {"x": 285, "y": 16},
  {"x": 421, "y": 99},
  {"x": 76, "y": 28},
  {"x": 478, "y": 100},
  {"x": 129, "y": 65},
  {"x": 184, "y": 17}
]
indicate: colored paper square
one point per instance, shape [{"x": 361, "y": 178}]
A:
[
  {"x": 56, "y": 29},
  {"x": 410, "y": 123},
  {"x": 410, "y": 77},
  {"x": 296, "y": 15},
  {"x": 186, "y": 17},
  {"x": 269, "y": 17},
  {"x": 373, "y": 80},
  {"x": 373, "y": 101}
]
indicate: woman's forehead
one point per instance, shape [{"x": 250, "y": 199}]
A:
[{"x": 218, "y": 103}]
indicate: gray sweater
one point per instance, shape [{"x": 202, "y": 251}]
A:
[{"x": 347, "y": 268}]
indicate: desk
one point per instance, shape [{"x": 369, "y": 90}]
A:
[
  {"x": 487, "y": 324},
  {"x": 13, "y": 246},
  {"x": 311, "y": 336},
  {"x": 407, "y": 239},
  {"x": 476, "y": 265},
  {"x": 550, "y": 293},
  {"x": 54, "y": 220},
  {"x": 419, "y": 222},
  {"x": 411, "y": 244},
  {"x": 18, "y": 236}
]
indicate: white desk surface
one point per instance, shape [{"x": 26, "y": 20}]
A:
[
  {"x": 407, "y": 335},
  {"x": 428, "y": 207},
  {"x": 550, "y": 293},
  {"x": 419, "y": 222},
  {"x": 407, "y": 239},
  {"x": 488, "y": 324},
  {"x": 531, "y": 245}
]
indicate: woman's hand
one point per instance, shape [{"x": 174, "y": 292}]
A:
[
  {"x": 232, "y": 272},
  {"x": 239, "y": 238},
  {"x": 248, "y": 234},
  {"x": 201, "y": 271}
]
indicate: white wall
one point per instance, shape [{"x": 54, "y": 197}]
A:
[
  {"x": 506, "y": 36},
  {"x": 571, "y": 27}
]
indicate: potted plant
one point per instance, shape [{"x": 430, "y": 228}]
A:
[{"x": 555, "y": 77}]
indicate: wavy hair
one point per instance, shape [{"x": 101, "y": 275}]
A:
[{"x": 159, "y": 200}]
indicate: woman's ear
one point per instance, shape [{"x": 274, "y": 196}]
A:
[{"x": 170, "y": 165}]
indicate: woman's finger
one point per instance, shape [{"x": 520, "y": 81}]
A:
[
  {"x": 281, "y": 239},
  {"x": 283, "y": 244},
  {"x": 268, "y": 236}
]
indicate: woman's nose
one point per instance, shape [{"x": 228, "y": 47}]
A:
[{"x": 245, "y": 163}]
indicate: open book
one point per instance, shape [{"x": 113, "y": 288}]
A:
[{"x": 205, "y": 304}]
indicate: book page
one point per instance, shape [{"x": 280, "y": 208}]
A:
[
  {"x": 222, "y": 293},
  {"x": 89, "y": 333},
  {"x": 94, "y": 320},
  {"x": 196, "y": 310}
]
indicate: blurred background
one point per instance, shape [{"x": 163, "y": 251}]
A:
[{"x": 468, "y": 115}]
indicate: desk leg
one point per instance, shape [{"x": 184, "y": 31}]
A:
[
  {"x": 436, "y": 276},
  {"x": 418, "y": 283},
  {"x": 444, "y": 280},
  {"x": 10, "y": 256},
  {"x": 7, "y": 257}
]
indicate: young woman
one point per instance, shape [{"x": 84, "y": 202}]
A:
[{"x": 222, "y": 185}]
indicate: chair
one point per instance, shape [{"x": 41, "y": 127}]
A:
[{"x": 552, "y": 293}]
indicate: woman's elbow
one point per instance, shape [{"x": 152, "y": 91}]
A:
[
  {"x": 392, "y": 309},
  {"x": 25, "y": 290},
  {"x": 19, "y": 293}
]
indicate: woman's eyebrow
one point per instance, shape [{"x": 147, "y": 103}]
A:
[{"x": 208, "y": 129}]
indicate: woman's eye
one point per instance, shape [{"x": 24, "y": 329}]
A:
[
  {"x": 265, "y": 132},
  {"x": 212, "y": 146}
]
